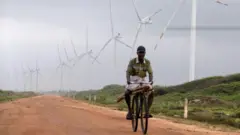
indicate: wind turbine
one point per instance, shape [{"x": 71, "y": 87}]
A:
[
  {"x": 24, "y": 72},
  {"x": 193, "y": 35},
  {"x": 37, "y": 70},
  {"x": 61, "y": 65},
  {"x": 142, "y": 21},
  {"x": 79, "y": 57},
  {"x": 16, "y": 78},
  {"x": 88, "y": 52},
  {"x": 116, "y": 37},
  {"x": 193, "y": 38},
  {"x": 31, "y": 71}
]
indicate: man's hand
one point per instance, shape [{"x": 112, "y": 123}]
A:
[{"x": 151, "y": 82}]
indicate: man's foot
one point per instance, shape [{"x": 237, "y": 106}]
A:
[
  {"x": 129, "y": 116},
  {"x": 148, "y": 116}
]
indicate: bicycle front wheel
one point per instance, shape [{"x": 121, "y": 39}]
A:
[
  {"x": 144, "y": 112},
  {"x": 135, "y": 113}
]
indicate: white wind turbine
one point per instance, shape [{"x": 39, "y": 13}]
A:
[
  {"x": 37, "y": 70},
  {"x": 79, "y": 57},
  {"x": 61, "y": 65},
  {"x": 193, "y": 35},
  {"x": 24, "y": 72},
  {"x": 88, "y": 52},
  {"x": 142, "y": 21},
  {"x": 193, "y": 38},
  {"x": 16, "y": 78},
  {"x": 116, "y": 37},
  {"x": 31, "y": 72}
]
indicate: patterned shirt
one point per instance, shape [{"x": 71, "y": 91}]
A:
[{"x": 136, "y": 68}]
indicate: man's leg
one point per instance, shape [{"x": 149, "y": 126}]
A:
[
  {"x": 150, "y": 101},
  {"x": 128, "y": 101}
]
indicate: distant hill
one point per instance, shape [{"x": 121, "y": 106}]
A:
[{"x": 213, "y": 99}]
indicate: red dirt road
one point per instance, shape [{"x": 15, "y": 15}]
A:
[{"x": 53, "y": 115}]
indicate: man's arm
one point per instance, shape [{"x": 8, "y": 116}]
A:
[
  {"x": 129, "y": 71},
  {"x": 150, "y": 72}
]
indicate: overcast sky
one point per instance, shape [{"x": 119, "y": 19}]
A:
[{"x": 31, "y": 29}]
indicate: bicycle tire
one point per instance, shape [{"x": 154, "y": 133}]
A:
[
  {"x": 144, "y": 111},
  {"x": 135, "y": 112}
]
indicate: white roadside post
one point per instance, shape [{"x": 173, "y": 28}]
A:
[
  {"x": 186, "y": 109},
  {"x": 95, "y": 98}
]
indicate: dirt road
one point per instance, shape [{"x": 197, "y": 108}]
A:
[{"x": 52, "y": 115}]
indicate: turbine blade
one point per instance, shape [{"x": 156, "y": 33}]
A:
[
  {"x": 81, "y": 56},
  {"x": 124, "y": 43},
  {"x": 170, "y": 20},
  {"x": 58, "y": 66},
  {"x": 74, "y": 49},
  {"x": 115, "y": 52},
  {"x": 87, "y": 38},
  {"x": 105, "y": 45},
  {"x": 39, "y": 73},
  {"x": 66, "y": 54},
  {"x": 153, "y": 14},
  {"x": 91, "y": 56},
  {"x": 23, "y": 68},
  {"x": 135, "y": 8},
  {"x": 67, "y": 65},
  {"x": 60, "y": 60},
  {"x": 220, "y": 2},
  {"x": 136, "y": 36},
  {"x": 111, "y": 20},
  {"x": 29, "y": 69},
  {"x": 37, "y": 65}
]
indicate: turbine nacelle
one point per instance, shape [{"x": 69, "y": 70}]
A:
[
  {"x": 118, "y": 36},
  {"x": 146, "y": 21}
]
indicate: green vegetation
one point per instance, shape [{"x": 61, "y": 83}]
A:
[
  {"x": 10, "y": 95},
  {"x": 214, "y": 100}
]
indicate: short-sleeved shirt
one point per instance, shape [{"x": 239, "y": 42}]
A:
[{"x": 135, "y": 68}]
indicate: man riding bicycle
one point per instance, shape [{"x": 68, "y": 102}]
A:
[{"x": 136, "y": 72}]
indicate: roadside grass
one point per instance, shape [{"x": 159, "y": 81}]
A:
[
  {"x": 6, "y": 96},
  {"x": 212, "y": 100}
]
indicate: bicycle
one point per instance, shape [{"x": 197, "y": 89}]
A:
[{"x": 139, "y": 107}]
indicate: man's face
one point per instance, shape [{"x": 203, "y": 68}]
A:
[{"x": 141, "y": 55}]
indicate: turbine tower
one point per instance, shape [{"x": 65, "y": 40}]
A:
[{"x": 192, "y": 67}]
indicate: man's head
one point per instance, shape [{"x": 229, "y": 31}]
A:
[{"x": 141, "y": 51}]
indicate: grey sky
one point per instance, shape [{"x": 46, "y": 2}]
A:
[{"x": 32, "y": 29}]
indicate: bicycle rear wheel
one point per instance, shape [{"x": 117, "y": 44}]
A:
[
  {"x": 135, "y": 113},
  {"x": 144, "y": 112}
]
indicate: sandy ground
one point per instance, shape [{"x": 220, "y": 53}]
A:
[{"x": 53, "y": 115}]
